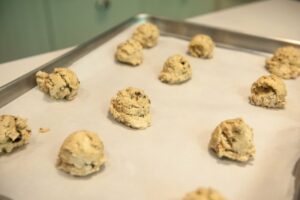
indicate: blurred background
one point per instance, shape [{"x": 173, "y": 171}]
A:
[{"x": 30, "y": 27}]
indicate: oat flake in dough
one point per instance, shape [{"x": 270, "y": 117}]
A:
[{"x": 204, "y": 194}]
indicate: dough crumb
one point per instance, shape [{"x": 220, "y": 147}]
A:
[
  {"x": 204, "y": 194},
  {"x": 81, "y": 154},
  {"x": 131, "y": 107},
  {"x": 146, "y": 34},
  {"x": 62, "y": 83},
  {"x": 130, "y": 52},
  {"x": 14, "y": 132},
  {"x": 44, "y": 130},
  {"x": 233, "y": 139},
  {"x": 201, "y": 46},
  {"x": 176, "y": 70},
  {"x": 268, "y": 91},
  {"x": 285, "y": 62}
]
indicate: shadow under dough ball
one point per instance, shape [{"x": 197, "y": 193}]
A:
[{"x": 204, "y": 194}]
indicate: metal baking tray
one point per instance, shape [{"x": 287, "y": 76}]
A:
[
  {"x": 183, "y": 30},
  {"x": 178, "y": 29}
]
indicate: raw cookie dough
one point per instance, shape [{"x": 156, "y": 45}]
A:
[
  {"x": 131, "y": 107},
  {"x": 130, "y": 52},
  {"x": 285, "y": 62},
  {"x": 176, "y": 70},
  {"x": 14, "y": 133},
  {"x": 62, "y": 83},
  {"x": 204, "y": 194},
  {"x": 233, "y": 139},
  {"x": 81, "y": 154},
  {"x": 146, "y": 34},
  {"x": 201, "y": 46},
  {"x": 268, "y": 91}
]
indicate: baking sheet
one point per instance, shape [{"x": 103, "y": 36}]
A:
[{"x": 171, "y": 157}]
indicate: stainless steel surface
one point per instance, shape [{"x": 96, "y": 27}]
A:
[{"x": 183, "y": 30}]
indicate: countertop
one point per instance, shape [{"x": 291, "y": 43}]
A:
[{"x": 273, "y": 18}]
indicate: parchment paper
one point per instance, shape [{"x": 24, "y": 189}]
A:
[{"x": 171, "y": 157}]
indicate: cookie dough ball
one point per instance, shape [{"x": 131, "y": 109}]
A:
[
  {"x": 81, "y": 154},
  {"x": 14, "y": 132},
  {"x": 285, "y": 62},
  {"x": 204, "y": 194},
  {"x": 233, "y": 139},
  {"x": 201, "y": 46},
  {"x": 176, "y": 70},
  {"x": 62, "y": 83},
  {"x": 130, "y": 52},
  {"x": 268, "y": 91},
  {"x": 146, "y": 34},
  {"x": 131, "y": 107}
]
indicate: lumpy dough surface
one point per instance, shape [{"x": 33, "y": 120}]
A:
[
  {"x": 146, "y": 34},
  {"x": 131, "y": 107},
  {"x": 285, "y": 62},
  {"x": 233, "y": 139},
  {"x": 130, "y": 52},
  {"x": 176, "y": 70},
  {"x": 62, "y": 83},
  {"x": 268, "y": 91},
  {"x": 14, "y": 132},
  {"x": 204, "y": 194},
  {"x": 81, "y": 154},
  {"x": 201, "y": 46}
]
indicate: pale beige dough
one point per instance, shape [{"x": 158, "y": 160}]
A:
[
  {"x": 268, "y": 91},
  {"x": 81, "y": 154},
  {"x": 14, "y": 132},
  {"x": 233, "y": 139},
  {"x": 204, "y": 194},
  {"x": 62, "y": 83},
  {"x": 176, "y": 70},
  {"x": 130, "y": 52},
  {"x": 285, "y": 62},
  {"x": 146, "y": 34},
  {"x": 201, "y": 46},
  {"x": 131, "y": 107}
]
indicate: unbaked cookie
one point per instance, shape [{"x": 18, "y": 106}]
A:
[
  {"x": 268, "y": 91},
  {"x": 201, "y": 46},
  {"x": 204, "y": 194},
  {"x": 233, "y": 139},
  {"x": 62, "y": 83},
  {"x": 14, "y": 132},
  {"x": 176, "y": 70},
  {"x": 131, "y": 107},
  {"x": 130, "y": 52},
  {"x": 146, "y": 34},
  {"x": 285, "y": 62},
  {"x": 81, "y": 154}
]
